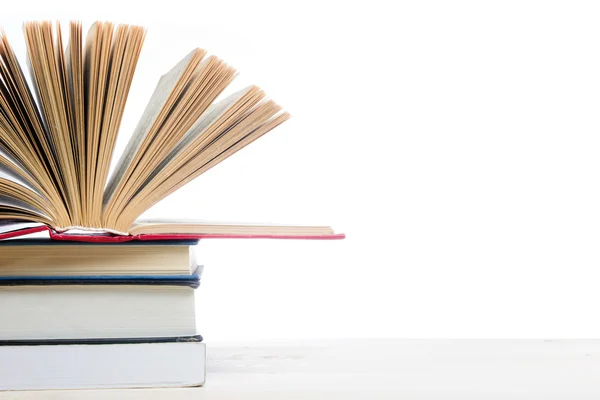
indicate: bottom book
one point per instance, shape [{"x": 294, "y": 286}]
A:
[{"x": 173, "y": 362}]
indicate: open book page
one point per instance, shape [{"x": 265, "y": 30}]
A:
[
  {"x": 11, "y": 175},
  {"x": 45, "y": 52},
  {"x": 20, "y": 197},
  {"x": 24, "y": 132},
  {"x": 23, "y": 108},
  {"x": 109, "y": 75},
  {"x": 210, "y": 116},
  {"x": 75, "y": 84},
  {"x": 208, "y": 80},
  {"x": 249, "y": 117},
  {"x": 10, "y": 225},
  {"x": 162, "y": 94},
  {"x": 16, "y": 209},
  {"x": 220, "y": 120},
  {"x": 12, "y": 163},
  {"x": 225, "y": 228}
]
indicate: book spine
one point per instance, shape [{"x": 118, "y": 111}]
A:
[
  {"x": 66, "y": 281},
  {"x": 100, "y": 341}
]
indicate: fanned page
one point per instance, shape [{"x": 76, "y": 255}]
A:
[
  {"x": 57, "y": 136},
  {"x": 9, "y": 227}
]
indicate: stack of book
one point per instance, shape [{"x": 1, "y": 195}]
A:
[
  {"x": 107, "y": 300},
  {"x": 97, "y": 315}
]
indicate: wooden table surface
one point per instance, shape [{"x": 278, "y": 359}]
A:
[{"x": 383, "y": 369}]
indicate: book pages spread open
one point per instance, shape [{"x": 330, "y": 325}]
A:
[{"x": 57, "y": 134}]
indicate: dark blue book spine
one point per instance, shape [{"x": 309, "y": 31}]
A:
[{"x": 192, "y": 281}]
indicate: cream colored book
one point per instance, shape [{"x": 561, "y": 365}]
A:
[{"x": 57, "y": 135}]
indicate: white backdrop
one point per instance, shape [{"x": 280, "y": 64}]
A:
[{"x": 455, "y": 143}]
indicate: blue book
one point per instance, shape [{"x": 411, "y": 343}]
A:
[
  {"x": 192, "y": 280},
  {"x": 97, "y": 309},
  {"x": 97, "y": 293}
]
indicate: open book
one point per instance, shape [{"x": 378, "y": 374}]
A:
[{"x": 57, "y": 135}]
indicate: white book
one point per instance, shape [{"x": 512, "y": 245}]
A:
[
  {"x": 40, "y": 312},
  {"x": 102, "y": 366}
]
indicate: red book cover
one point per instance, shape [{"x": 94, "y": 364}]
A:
[{"x": 22, "y": 229}]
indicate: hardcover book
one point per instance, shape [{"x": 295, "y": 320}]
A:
[
  {"x": 50, "y": 259},
  {"x": 47, "y": 365},
  {"x": 98, "y": 309}
]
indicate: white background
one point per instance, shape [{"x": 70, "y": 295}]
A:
[{"x": 457, "y": 144}]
